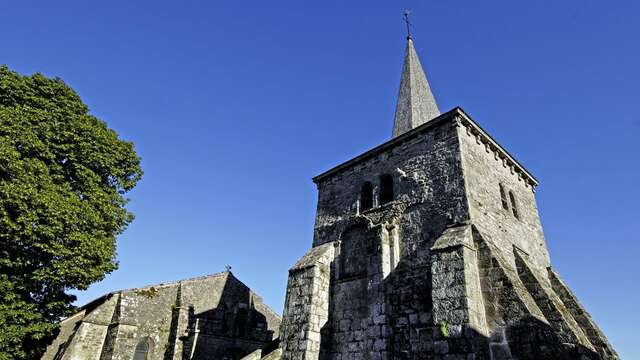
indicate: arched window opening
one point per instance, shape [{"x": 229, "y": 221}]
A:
[
  {"x": 366, "y": 196},
  {"x": 514, "y": 206},
  {"x": 503, "y": 196},
  {"x": 386, "y": 188},
  {"x": 143, "y": 349}
]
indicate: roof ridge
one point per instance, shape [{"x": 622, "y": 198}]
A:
[{"x": 177, "y": 282}]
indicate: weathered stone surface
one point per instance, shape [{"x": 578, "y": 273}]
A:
[
  {"x": 428, "y": 246},
  {"x": 214, "y": 316},
  {"x": 580, "y": 314},
  {"x": 486, "y": 168},
  {"x": 439, "y": 254},
  {"x": 306, "y": 306},
  {"x": 85, "y": 331}
]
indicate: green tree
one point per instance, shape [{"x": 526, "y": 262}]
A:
[{"x": 63, "y": 177}]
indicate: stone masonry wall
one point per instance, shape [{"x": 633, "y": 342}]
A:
[
  {"x": 456, "y": 289},
  {"x": 67, "y": 329},
  {"x": 91, "y": 333},
  {"x": 213, "y": 316},
  {"x": 358, "y": 322},
  {"x": 525, "y": 317},
  {"x": 144, "y": 314},
  {"x": 385, "y": 312},
  {"x": 549, "y": 302},
  {"x": 484, "y": 170},
  {"x": 428, "y": 189},
  {"x": 306, "y": 307}
]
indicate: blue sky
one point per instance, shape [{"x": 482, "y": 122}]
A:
[{"x": 234, "y": 106}]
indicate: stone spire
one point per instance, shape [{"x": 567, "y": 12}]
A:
[{"x": 416, "y": 104}]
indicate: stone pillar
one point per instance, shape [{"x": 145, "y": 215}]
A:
[{"x": 306, "y": 307}]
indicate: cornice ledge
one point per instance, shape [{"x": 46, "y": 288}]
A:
[{"x": 482, "y": 137}]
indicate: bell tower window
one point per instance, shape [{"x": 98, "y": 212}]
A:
[
  {"x": 366, "y": 196},
  {"x": 386, "y": 188}
]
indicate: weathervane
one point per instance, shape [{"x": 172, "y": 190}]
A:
[
  {"x": 228, "y": 268},
  {"x": 408, "y": 22}
]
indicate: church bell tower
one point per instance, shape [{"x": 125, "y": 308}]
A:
[{"x": 429, "y": 246}]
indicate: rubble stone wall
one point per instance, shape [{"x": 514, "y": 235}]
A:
[
  {"x": 485, "y": 169},
  {"x": 90, "y": 334},
  {"x": 213, "y": 316},
  {"x": 449, "y": 291},
  {"x": 306, "y": 308},
  {"x": 427, "y": 182},
  {"x": 385, "y": 311}
]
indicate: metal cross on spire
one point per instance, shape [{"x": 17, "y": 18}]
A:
[{"x": 408, "y": 22}]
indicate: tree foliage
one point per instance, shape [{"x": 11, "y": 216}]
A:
[{"x": 63, "y": 177}]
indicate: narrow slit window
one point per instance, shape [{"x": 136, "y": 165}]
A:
[
  {"x": 503, "y": 197},
  {"x": 386, "y": 188},
  {"x": 514, "y": 206},
  {"x": 366, "y": 196}
]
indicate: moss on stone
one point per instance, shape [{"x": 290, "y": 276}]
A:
[
  {"x": 444, "y": 329},
  {"x": 148, "y": 293}
]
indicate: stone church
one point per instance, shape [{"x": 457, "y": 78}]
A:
[
  {"x": 210, "y": 317},
  {"x": 428, "y": 246}
]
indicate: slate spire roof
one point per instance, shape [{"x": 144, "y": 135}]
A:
[{"x": 416, "y": 104}]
